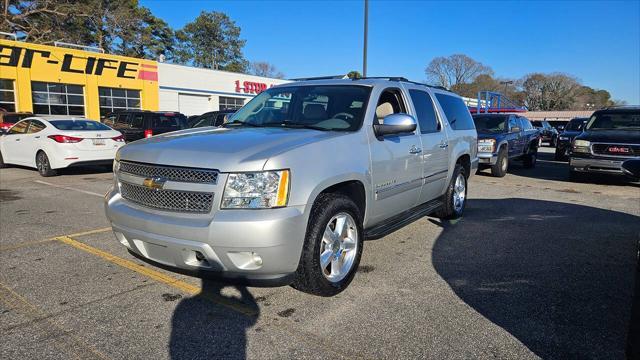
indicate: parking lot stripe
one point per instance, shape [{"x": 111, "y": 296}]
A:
[
  {"x": 37, "y": 242},
  {"x": 68, "y": 188},
  {"x": 158, "y": 276}
]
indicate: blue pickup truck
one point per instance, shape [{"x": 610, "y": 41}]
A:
[{"x": 503, "y": 138}]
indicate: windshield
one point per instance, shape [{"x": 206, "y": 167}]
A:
[
  {"x": 489, "y": 123},
  {"x": 575, "y": 124},
  {"x": 86, "y": 125},
  {"x": 626, "y": 120},
  {"x": 321, "y": 107}
]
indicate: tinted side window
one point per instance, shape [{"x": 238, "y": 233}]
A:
[
  {"x": 122, "y": 119},
  {"x": 35, "y": 126},
  {"x": 19, "y": 128},
  {"x": 456, "y": 111},
  {"x": 167, "y": 122},
  {"x": 425, "y": 111},
  {"x": 220, "y": 119},
  {"x": 137, "y": 121}
]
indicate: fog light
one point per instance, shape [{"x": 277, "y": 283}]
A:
[
  {"x": 256, "y": 259},
  {"x": 199, "y": 256}
]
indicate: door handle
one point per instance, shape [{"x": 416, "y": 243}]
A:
[
  {"x": 444, "y": 145},
  {"x": 17, "y": 139},
  {"x": 415, "y": 150},
  {"x": 37, "y": 137}
]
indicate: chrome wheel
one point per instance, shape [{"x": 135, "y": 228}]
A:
[
  {"x": 339, "y": 247},
  {"x": 42, "y": 163},
  {"x": 459, "y": 193}
]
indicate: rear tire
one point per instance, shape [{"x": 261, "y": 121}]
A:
[
  {"x": 455, "y": 198},
  {"x": 559, "y": 155},
  {"x": 314, "y": 278},
  {"x": 531, "y": 158},
  {"x": 502, "y": 164},
  {"x": 43, "y": 165}
]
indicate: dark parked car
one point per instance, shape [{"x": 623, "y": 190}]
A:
[
  {"x": 8, "y": 119},
  {"x": 212, "y": 118},
  {"x": 505, "y": 137},
  {"x": 547, "y": 132},
  {"x": 571, "y": 130},
  {"x": 611, "y": 136},
  {"x": 139, "y": 124}
]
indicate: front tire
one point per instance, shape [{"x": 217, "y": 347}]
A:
[
  {"x": 455, "y": 198},
  {"x": 43, "y": 165},
  {"x": 332, "y": 246},
  {"x": 502, "y": 164}
]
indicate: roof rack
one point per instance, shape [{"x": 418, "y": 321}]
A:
[{"x": 620, "y": 107}]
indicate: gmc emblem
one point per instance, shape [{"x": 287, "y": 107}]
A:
[{"x": 618, "y": 150}]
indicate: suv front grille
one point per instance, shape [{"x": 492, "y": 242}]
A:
[
  {"x": 625, "y": 150},
  {"x": 171, "y": 173},
  {"x": 171, "y": 200}
]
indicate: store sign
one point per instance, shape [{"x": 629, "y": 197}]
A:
[
  {"x": 16, "y": 56},
  {"x": 250, "y": 87}
]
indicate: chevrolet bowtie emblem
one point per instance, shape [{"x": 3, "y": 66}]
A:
[{"x": 156, "y": 183}]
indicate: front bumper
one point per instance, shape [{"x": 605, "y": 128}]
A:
[
  {"x": 487, "y": 158},
  {"x": 596, "y": 165},
  {"x": 223, "y": 245}
]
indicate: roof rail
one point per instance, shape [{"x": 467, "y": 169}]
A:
[
  {"x": 8, "y": 34},
  {"x": 330, "y": 77},
  {"x": 82, "y": 47},
  {"x": 620, "y": 107},
  {"x": 403, "y": 79}
]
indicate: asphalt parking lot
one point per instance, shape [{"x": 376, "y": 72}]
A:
[{"x": 538, "y": 267}]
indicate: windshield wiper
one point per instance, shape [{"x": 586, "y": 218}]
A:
[
  {"x": 296, "y": 125},
  {"x": 238, "y": 122}
]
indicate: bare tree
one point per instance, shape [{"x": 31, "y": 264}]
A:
[
  {"x": 455, "y": 69},
  {"x": 554, "y": 91},
  {"x": 263, "y": 68}
]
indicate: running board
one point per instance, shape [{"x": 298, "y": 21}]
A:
[{"x": 392, "y": 224}]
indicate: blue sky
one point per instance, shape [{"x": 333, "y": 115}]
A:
[{"x": 598, "y": 42}]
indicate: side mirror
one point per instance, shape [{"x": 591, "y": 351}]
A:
[
  {"x": 632, "y": 168},
  {"x": 395, "y": 124},
  {"x": 515, "y": 129}
]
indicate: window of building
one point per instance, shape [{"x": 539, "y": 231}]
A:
[
  {"x": 7, "y": 96},
  {"x": 57, "y": 99},
  {"x": 114, "y": 99},
  {"x": 231, "y": 103}
]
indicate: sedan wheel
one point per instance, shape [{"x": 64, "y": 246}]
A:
[{"x": 43, "y": 165}]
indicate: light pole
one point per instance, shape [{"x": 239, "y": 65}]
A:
[
  {"x": 505, "y": 83},
  {"x": 366, "y": 30}
]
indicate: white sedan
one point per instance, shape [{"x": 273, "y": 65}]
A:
[{"x": 48, "y": 143}]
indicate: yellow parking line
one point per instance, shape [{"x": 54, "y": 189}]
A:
[
  {"x": 37, "y": 242},
  {"x": 158, "y": 276}
]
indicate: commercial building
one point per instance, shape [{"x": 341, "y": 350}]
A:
[{"x": 50, "y": 80}]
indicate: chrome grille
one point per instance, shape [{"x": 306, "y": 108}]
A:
[
  {"x": 171, "y": 200},
  {"x": 171, "y": 173}
]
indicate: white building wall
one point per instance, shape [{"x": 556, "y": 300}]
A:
[{"x": 178, "y": 81}]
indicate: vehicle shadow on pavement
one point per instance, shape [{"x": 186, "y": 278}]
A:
[
  {"x": 202, "y": 329},
  {"x": 558, "y": 277}
]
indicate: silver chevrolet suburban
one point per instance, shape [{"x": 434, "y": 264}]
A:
[{"x": 287, "y": 190}]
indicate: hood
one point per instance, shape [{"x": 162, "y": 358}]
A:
[
  {"x": 489, "y": 135},
  {"x": 224, "y": 149},
  {"x": 570, "y": 133},
  {"x": 611, "y": 136}
]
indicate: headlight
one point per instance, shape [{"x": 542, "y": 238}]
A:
[
  {"x": 581, "y": 146},
  {"x": 256, "y": 190},
  {"x": 486, "y": 145}
]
